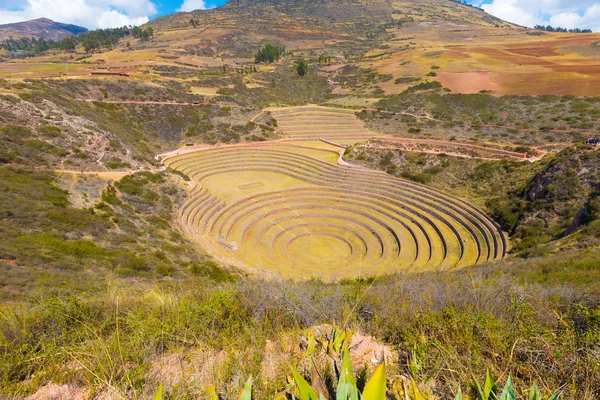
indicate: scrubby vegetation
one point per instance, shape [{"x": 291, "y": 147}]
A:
[
  {"x": 537, "y": 320},
  {"x": 519, "y": 120},
  {"x": 536, "y": 204},
  {"x": 128, "y": 232}
]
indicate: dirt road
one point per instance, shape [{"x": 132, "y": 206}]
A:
[
  {"x": 164, "y": 103},
  {"x": 431, "y": 142}
]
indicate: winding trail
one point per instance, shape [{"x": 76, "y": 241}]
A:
[
  {"x": 506, "y": 153},
  {"x": 164, "y": 103}
]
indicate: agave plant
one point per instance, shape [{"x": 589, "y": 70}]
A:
[
  {"x": 375, "y": 388},
  {"x": 489, "y": 391},
  {"x": 535, "y": 394},
  {"x": 346, "y": 388}
]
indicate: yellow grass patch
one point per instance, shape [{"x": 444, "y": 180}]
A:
[{"x": 205, "y": 91}]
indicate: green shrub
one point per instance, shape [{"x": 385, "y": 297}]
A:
[
  {"x": 50, "y": 131},
  {"x": 423, "y": 86},
  {"x": 406, "y": 79}
]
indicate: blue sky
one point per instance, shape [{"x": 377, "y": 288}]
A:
[
  {"x": 110, "y": 13},
  {"x": 171, "y": 6},
  {"x": 563, "y": 13}
]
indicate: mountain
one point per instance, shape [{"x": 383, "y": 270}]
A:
[
  {"x": 349, "y": 25},
  {"x": 470, "y": 50},
  {"x": 40, "y": 28}
]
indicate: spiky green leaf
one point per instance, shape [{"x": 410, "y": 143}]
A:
[
  {"x": 212, "y": 393},
  {"x": 347, "y": 389},
  {"x": 247, "y": 392},
  {"x": 478, "y": 389},
  {"x": 305, "y": 390},
  {"x": 375, "y": 387},
  {"x": 459, "y": 395},
  {"x": 508, "y": 393},
  {"x": 159, "y": 393},
  {"x": 339, "y": 341},
  {"x": 413, "y": 364},
  {"x": 417, "y": 395},
  {"x": 489, "y": 388},
  {"x": 312, "y": 344},
  {"x": 534, "y": 393}
]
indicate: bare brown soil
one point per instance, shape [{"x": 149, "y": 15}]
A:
[{"x": 468, "y": 82}]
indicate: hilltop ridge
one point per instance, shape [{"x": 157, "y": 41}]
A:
[
  {"x": 43, "y": 28},
  {"x": 334, "y": 15}
]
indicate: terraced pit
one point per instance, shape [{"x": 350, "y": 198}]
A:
[
  {"x": 314, "y": 122},
  {"x": 294, "y": 209}
]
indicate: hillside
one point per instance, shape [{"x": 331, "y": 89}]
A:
[
  {"x": 183, "y": 208},
  {"x": 43, "y": 28},
  {"x": 474, "y": 51},
  {"x": 342, "y": 28},
  {"x": 366, "y": 49}
]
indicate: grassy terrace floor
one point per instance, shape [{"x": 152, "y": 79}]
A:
[{"x": 313, "y": 122}]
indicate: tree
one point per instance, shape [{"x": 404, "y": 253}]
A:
[
  {"x": 136, "y": 31},
  {"x": 91, "y": 41},
  {"x": 324, "y": 59},
  {"x": 269, "y": 53},
  {"x": 550, "y": 28},
  {"x": 147, "y": 34},
  {"x": 68, "y": 44},
  {"x": 89, "y": 44},
  {"x": 301, "y": 67}
]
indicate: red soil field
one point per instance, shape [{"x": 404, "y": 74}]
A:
[{"x": 468, "y": 82}]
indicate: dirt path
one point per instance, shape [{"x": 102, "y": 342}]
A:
[
  {"x": 164, "y": 103},
  {"x": 114, "y": 175},
  {"x": 401, "y": 113},
  {"x": 191, "y": 149},
  {"x": 261, "y": 112},
  {"x": 499, "y": 152},
  {"x": 448, "y": 153}
]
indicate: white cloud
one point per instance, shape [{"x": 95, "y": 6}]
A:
[
  {"x": 563, "y": 13},
  {"x": 589, "y": 19},
  {"x": 511, "y": 10},
  {"x": 191, "y": 5},
  {"x": 89, "y": 13}
]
